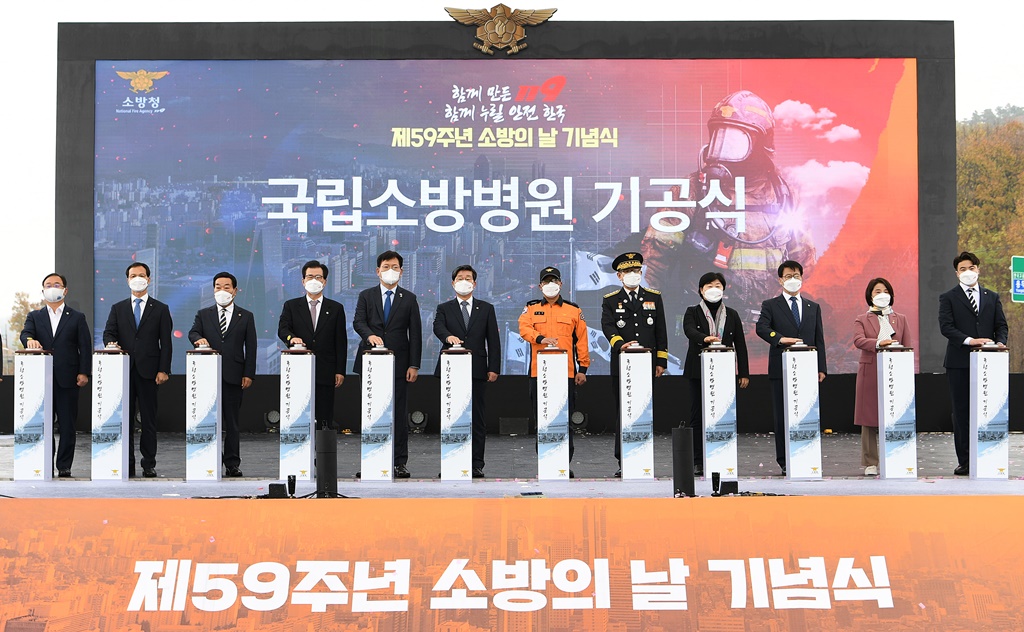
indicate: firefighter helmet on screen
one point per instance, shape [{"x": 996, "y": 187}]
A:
[{"x": 739, "y": 124}]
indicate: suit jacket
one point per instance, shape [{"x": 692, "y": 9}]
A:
[
  {"x": 482, "y": 337},
  {"x": 957, "y": 322},
  {"x": 237, "y": 346},
  {"x": 329, "y": 343},
  {"x": 776, "y": 322},
  {"x": 696, "y": 328},
  {"x": 865, "y": 338},
  {"x": 402, "y": 334},
  {"x": 149, "y": 345},
  {"x": 643, "y": 321},
  {"x": 71, "y": 345}
]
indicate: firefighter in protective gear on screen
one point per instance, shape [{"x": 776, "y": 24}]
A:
[{"x": 736, "y": 169}]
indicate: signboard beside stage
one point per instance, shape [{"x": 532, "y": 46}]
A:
[
  {"x": 552, "y": 415},
  {"x": 33, "y": 415},
  {"x": 457, "y": 414},
  {"x": 718, "y": 377},
  {"x": 990, "y": 413},
  {"x": 897, "y": 413},
  {"x": 111, "y": 425},
  {"x": 377, "y": 416},
  {"x": 636, "y": 414},
  {"x": 298, "y": 413},
  {"x": 802, "y": 413},
  {"x": 203, "y": 450}
]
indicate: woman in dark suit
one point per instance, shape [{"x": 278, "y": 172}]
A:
[
  {"x": 705, "y": 323},
  {"x": 878, "y": 328}
]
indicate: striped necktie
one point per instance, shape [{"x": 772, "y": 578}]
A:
[
  {"x": 970, "y": 297},
  {"x": 223, "y": 321}
]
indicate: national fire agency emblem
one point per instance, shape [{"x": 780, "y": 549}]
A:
[
  {"x": 142, "y": 80},
  {"x": 501, "y": 27}
]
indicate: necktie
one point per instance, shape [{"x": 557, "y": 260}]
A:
[
  {"x": 465, "y": 314},
  {"x": 387, "y": 305},
  {"x": 796, "y": 310},
  {"x": 223, "y": 321},
  {"x": 632, "y": 297},
  {"x": 970, "y": 297},
  {"x": 312, "y": 312},
  {"x": 138, "y": 312}
]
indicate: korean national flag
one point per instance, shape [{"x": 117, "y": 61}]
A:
[
  {"x": 598, "y": 344},
  {"x": 517, "y": 353},
  {"x": 594, "y": 271}
]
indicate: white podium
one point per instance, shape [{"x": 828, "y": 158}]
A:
[
  {"x": 33, "y": 415},
  {"x": 990, "y": 413},
  {"x": 377, "y": 417},
  {"x": 203, "y": 448},
  {"x": 718, "y": 381},
  {"x": 897, "y": 413},
  {"x": 456, "y": 414},
  {"x": 552, "y": 414},
  {"x": 298, "y": 414},
  {"x": 111, "y": 425},
  {"x": 636, "y": 414},
  {"x": 802, "y": 413}
]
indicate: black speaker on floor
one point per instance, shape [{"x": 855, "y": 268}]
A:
[
  {"x": 326, "y": 463},
  {"x": 682, "y": 462}
]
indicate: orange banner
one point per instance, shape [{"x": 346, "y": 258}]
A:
[{"x": 821, "y": 563}]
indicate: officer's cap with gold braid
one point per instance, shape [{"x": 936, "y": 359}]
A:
[{"x": 627, "y": 260}]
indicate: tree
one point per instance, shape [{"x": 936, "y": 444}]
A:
[{"x": 19, "y": 312}]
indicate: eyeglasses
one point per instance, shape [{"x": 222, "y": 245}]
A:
[
  {"x": 310, "y": 277},
  {"x": 787, "y": 277},
  {"x": 57, "y": 285}
]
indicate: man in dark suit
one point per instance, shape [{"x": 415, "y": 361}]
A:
[
  {"x": 633, "y": 316},
  {"x": 231, "y": 330},
  {"x": 472, "y": 323},
  {"x": 63, "y": 331},
  {"x": 784, "y": 321},
  {"x": 141, "y": 326},
  {"x": 388, "y": 315},
  {"x": 969, "y": 317},
  {"x": 319, "y": 324}
]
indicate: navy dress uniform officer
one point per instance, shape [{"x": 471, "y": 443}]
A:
[{"x": 633, "y": 316}]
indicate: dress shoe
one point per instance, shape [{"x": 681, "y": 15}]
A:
[
  {"x": 233, "y": 472},
  {"x": 478, "y": 472},
  {"x": 64, "y": 474},
  {"x": 572, "y": 474},
  {"x": 962, "y": 470},
  {"x": 618, "y": 473},
  {"x": 149, "y": 472},
  {"x": 402, "y": 472},
  {"x": 698, "y": 470},
  {"x": 360, "y": 474},
  {"x": 783, "y": 469},
  {"x": 871, "y": 470}
]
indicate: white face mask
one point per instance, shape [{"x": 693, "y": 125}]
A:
[
  {"x": 463, "y": 287},
  {"x": 390, "y": 277},
  {"x": 138, "y": 284},
  {"x": 881, "y": 300},
  {"x": 793, "y": 285},
  {"x": 223, "y": 298},
  {"x": 53, "y": 294},
  {"x": 551, "y": 290},
  {"x": 631, "y": 279},
  {"x": 968, "y": 277},
  {"x": 313, "y": 286},
  {"x": 713, "y": 294}
]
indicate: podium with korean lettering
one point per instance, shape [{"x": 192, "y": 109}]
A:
[
  {"x": 897, "y": 413},
  {"x": 203, "y": 449},
  {"x": 298, "y": 413},
  {"x": 990, "y": 413},
  {"x": 636, "y": 414},
  {"x": 111, "y": 424},
  {"x": 33, "y": 415},
  {"x": 718, "y": 380},
  {"x": 552, "y": 414},
  {"x": 456, "y": 414},
  {"x": 377, "y": 416},
  {"x": 802, "y": 412}
]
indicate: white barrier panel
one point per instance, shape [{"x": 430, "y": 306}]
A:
[
  {"x": 111, "y": 425},
  {"x": 298, "y": 414},
  {"x": 378, "y": 417},
  {"x": 718, "y": 381},
  {"x": 802, "y": 414},
  {"x": 457, "y": 414},
  {"x": 33, "y": 415},
  {"x": 552, "y": 415},
  {"x": 990, "y": 413},
  {"x": 636, "y": 414},
  {"x": 203, "y": 449},
  {"x": 897, "y": 413}
]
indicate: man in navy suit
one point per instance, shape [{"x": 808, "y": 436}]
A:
[
  {"x": 388, "y": 315},
  {"x": 969, "y": 317},
  {"x": 472, "y": 323},
  {"x": 231, "y": 330},
  {"x": 784, "y": 321},
  {"x": 319, "y": 324},
  {"x": 63, "y": 331},
  {"x": 141, "y": 326}
]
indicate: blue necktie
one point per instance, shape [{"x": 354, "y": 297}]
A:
[
  {"x": 138, "y": 312},
  {"x": 796, "y": 310},
  {"x": 387, "y": 305}
]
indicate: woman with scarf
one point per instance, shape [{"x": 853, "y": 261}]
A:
[
  {"x": 706, "y": 323},
  {"x": 878, "y": 328}
]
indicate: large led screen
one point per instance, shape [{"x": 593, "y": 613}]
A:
[{"x": 255, "y": 167}]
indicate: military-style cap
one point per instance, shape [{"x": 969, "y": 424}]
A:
[
  {"x": 628, "y": 260},
  {"x": 550, "y": 272}
]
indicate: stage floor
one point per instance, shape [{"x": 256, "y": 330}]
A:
[{"x": 511, "y": 471}]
